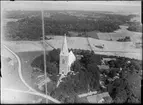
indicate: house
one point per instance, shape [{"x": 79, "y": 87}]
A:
[{"x": 100, "y": 98}]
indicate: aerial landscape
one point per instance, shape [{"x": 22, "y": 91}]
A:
[{"x": 71, "y": 52}]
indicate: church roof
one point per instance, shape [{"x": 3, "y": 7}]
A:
[
  {"x": 72, "y": 58},
  {"x": 64, "y": 49}
]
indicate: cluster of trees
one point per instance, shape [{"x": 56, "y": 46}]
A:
[
  {"x": 122, "y": 62},
  {"x": 71, "y": 86},
  {"x": 135, "y": 26},
  {"x": 122, "y": 89},
  {"x": 126, "y": 39},
  {"x": 30, "y": 28},
  {"x": 24, "y": 29},
  {"x": 52, "y": 62}
]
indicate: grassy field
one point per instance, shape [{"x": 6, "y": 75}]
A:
[
  {"x": 26, "y": 59},
  {"x": 78, "y": 43},
  {"x": 93, "y": 34},
  {"x": 11, "y": 82},
  {"x": 121, "y": 33}
]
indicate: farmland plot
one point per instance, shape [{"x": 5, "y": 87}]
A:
[{"x": 121, "y": 33}]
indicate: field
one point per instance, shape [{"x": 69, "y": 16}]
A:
[
  {"x": 93, "y": 34},
  {"x": 126, "y": 49},
  {"x": 11, "y": 85},
  {"x": 26, "y": 59},
  {"x": 22, "y": 46},
  {"x": 121, "y": 33}
]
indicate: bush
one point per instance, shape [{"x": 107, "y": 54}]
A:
[
  {"x": 52, "y": 69},
  {"x": 126, "y": 39},
  {"x": 76, "y": 66}
]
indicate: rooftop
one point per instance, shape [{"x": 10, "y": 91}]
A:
[{"x": 96, "y": 98}]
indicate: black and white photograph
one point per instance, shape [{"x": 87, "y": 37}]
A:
[{"x": 71, "y": 52}]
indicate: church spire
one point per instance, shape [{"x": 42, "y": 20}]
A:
[{"x": 64, "y": 50}]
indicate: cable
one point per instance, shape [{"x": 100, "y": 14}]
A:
[
  {"x": 44, "y": 51},
  {"x": 50, "y": 45}
]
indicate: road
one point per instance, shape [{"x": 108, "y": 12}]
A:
[{"x": 30, "y": 89}]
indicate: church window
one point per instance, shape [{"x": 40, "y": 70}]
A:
[{"x": 63, "y": 61}]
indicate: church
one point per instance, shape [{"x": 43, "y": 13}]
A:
[{"x": 66, "y": 58}]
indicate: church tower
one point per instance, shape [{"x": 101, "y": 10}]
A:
[{"x": 64, "y": 58}]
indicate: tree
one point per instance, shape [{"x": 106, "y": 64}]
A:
[
  {"x": 76, "y": 66},
  {"x": 121, "y": 97},
  {"x": 54, "y": 55},
  {"x": 51, "y": 68},
  {"x": 111, "y": 63},
  {"x": 95, "y": 77}
]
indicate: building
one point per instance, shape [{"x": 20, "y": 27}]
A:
[
  {"x": 100, "y": 98},
  {"x": 87, "y": 94},
  {"x": 104, "y": 60},
  {"x": 66, "y": 58}
]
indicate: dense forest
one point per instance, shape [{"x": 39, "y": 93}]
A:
[
  {"x": 29, "y": 27},
  {"x": 87, "y": 77}
]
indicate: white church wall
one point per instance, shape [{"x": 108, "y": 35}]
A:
[{"x": 72, "y": 58}]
